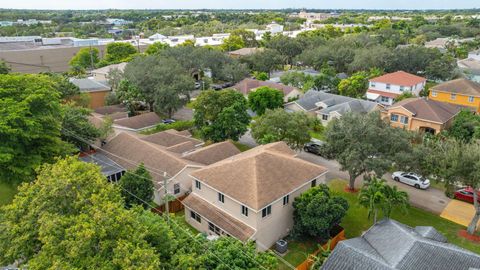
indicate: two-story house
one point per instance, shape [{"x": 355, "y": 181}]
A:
[
  {"x": 249, "y": 196},
  {"x": 460, "y": 92},
  {"x": 384, "y": 89},
  {"x": 421, "y": 114}
]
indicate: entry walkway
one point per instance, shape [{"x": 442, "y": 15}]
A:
[{"x": 459, "y": 212}]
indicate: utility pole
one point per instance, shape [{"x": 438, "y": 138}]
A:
[{"x": 167, "y": 201}]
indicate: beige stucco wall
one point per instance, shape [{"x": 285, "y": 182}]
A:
[
  {"x": 269, "y": 229},
  {"x": 293, "y": 94},
  {"x": 185, "y": 181},
  {"x": 414, "y": 124}
]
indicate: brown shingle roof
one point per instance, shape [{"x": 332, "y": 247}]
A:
[
  {"x": 226, "y": 222},
  {"x": 213, "y": 153},
  {"x": 181, "y": 147},
  {"x": 399, "y": 78},
  {"x": 245, "y": 51},
  {"x": 170, "y": 138},
  {"x": 128, "y": 151},
  {"x": 260, "y": 175},
  {"x": 459, "y": 86},
  {"x": 247, "y": 85},
  {"x": 139, "y": 122},
  {"x": 428, "y": 109},
  {"x": 110, "y": 109}
]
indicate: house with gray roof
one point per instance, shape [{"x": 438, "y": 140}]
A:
[
  {"x": 392, "y": 245},
  {"x": 326, "y": 106}
]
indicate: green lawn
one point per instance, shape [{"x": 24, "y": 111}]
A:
[
  {"x": 317, "y": 135},
  {"x": 355, "y": 222},
  {"x": 298, "y": 252},
  {"x": 7, "y": 192}
]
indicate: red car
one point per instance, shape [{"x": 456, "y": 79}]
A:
[{"x": 466, "y": 194}]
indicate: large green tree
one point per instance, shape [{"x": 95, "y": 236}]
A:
[
  {"x": 30, "y": 125},
  {"x": 365, "y": 143},
  {"x": 221, "y": 115},
  {"x": 85, "y": 58},
  {"x": 155, "y": 48},
  {"x": 317, "y": 211},
  {"x": 279, "y": 125},
  {"x": 76, "y": 127},
  {"x": 264, "y": 98},
  {"x": 4, "y": 69},
  {"x": 70, "y": 217},
  {"x": 164, "y": 84},
  {"x": 466, "y": 126},
  {"x": 117, "y": 52},
  {"x": 137, "y": 184}
]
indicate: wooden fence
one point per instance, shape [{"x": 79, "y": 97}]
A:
[
  {"x": 305, "y": 265},
  {"x": 173, "y": 206}
]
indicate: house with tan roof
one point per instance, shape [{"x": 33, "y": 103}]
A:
[
  {"x": 101, "y": 74},
  {"x": 138, "y": 122},
  {"x": 384, "y": 89},
  {"x": 244, "y": 52},
  {"x": 165, "y": 156},
  {"x": 249, "y": 196},
  {"x": 460, "y": 92},
  {"x": 421, "y": 114},
  {"x": 248, "y": 85}
]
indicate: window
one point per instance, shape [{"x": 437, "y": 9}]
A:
[
  {"x": 388, "y": 86},
  {"x": 324, "y": 117},
  {"x": 372, "y": 84},
  {"x": 404, "y": 119},
  {"x": 198, "y": 185},
  {"x": 214, "y": 228},
  {"x": 176, "y": 188},
  {"x": 394, "y": 117},
  {"x": 470, "y": 99},
  {"x": 286, "y": 199},
  {"x": 266, "y": 211},
  {"x": 221, "y": 197},
  {"x": 314, "y": 182},
  {"x": 196, "y": 216},
  {"x": 402, "y": 88},
  {"x": 434, "y": 93},
  {"x": 453, "y": 96},
  {"x": 244, "y": 210},
  {"x": 385, "y": 99}
]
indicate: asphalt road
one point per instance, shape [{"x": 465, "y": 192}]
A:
[{"x": 432, "y": 200}]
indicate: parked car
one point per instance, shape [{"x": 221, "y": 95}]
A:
[
  {"x": 313, "y": 147},
  {"x": 168, "y": 121},
  {"x": 411, "y": 179},
  {"x": 466, "y": 194}
]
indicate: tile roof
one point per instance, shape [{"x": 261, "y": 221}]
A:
[
  {"x": 383, "y": 93},
  {"x": 399, "y": 78},
  {"x": 170, "y": 138},
  {"x": 213, "y": 153},
  {"x": 226, "y": 222},
  {"x": 90, "y": 85},
  {"x": 459, "y": 86},
  {"x": 261, "y": 175},
  {"x": 139, "y": 122},
  {"x": 428, "y": 109},
  {"x": 247, "y": 85},
  {"x": 128, "y": 151},
  {"x": 391, "y": 245}
]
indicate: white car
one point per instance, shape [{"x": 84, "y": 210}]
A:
[{"x": 411, "y": 179}]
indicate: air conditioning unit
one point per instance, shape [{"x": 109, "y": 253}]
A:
[{"x": 281, "y": 246}]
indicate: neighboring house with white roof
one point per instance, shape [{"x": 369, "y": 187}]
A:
[
  {"x": 328, "y": 106},
  {"x": 384, "y": 89},
  {"x": 249, "y": 196}
]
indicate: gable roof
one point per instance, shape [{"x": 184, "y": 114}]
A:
[
  {"x": 459, "y": 86},
  {"x": 247, "y": 85},
  {"x": 128, "y": 151},
  {"x": 331, "y": 102},
  {"x": 428, "y": 109},
  {"x": 138, "y": 122},
  {"x": 392, "y": 245},
  {"x": 110, "y": 109},
  {"x": 213, "y": 153},
  {"x": 399, "y": 78},
  {"x": 90, "y": 85},
  {"x": 169, "y": 138},
  {"x": 245, "y": 51},
  {"x": 259, "y": 176},
  {"x": 106, "y": 69}
]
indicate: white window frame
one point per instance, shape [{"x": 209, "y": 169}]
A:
[
  {"x": 198, "y": 185},
  {"x": 388, "y": 86},
  {"x": 267, "y": 211},
  {"x": 244, "y": 210},
  {"x": 194, "y": 215},
  {"x": 176, "y": 188},
  {"x": 221, "y": 197},
  {"x": 286, "y": 199},
  {"x": 434, "y": 93},
  {"x": 325, "y": 117},
  {"x": 404, "y": 119},
  {"x": 471, "y": 99},
  {"x": 392, "y": 116}
]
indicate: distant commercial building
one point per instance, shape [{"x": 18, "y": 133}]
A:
[{"x": 315, "y": 16}]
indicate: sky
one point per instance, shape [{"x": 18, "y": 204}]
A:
[{"x": 239, "y": 4}]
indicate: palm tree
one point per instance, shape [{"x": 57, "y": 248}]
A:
[
  {"x": 371, "y": 196},
  {"x": 392, "y": 197}
]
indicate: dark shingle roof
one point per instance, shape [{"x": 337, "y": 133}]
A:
[
  {"x": 428, "y": 109},
  {"x": 459, "y": 86},
  {"x": 392, "y": 245}
]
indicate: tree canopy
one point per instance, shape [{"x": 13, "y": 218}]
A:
[
  {"x": 85, "y": 58},
  {"x": 279, "y": 125},
  {"x": 221, "y": 115},
  {"x": 139, "y": 183},
  {"x": 76, "y": 127},
  {"x": 264, "y": 98}
]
